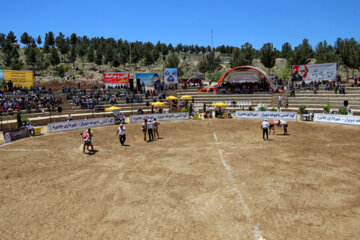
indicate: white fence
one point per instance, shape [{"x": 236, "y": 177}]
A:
[
  {"x": 80, "y": 124},
  {"x": 266, "y": 115},
  {"x": 340, "y": 119},
  {"x": 162, "y": 117}
]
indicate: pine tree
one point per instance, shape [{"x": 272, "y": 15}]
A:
[
  {"x": 172, "y": 61},
  {"x": 73, "y": 55},
  {"x": 286, "y": 51},
  {"x": 11, "y": 37},
  {"x": 302, "y": 54},
  {"x": 91, "y": 56},
  {"x": 54, "y": 57},
  {"x": 325, "y": 53},
  {"x": 38, "y": 40},
  {"x": 267, "y": 56},
  {"x": 31, "y": 54},
  {"x": 99, "y": 58},
  {"x": 25, "y": 38},
  {"x": 42, "y": 62}
]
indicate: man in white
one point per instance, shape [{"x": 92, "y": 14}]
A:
[
  {"x": 265, "y": 127},
  {"x": 121, "y": 133},
  {"x": 150, "y": 130}
]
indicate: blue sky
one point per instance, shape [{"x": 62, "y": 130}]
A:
[{"x": 188, "y": 22}]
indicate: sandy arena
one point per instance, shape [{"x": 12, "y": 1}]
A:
[{"x": 208, "y": 179}]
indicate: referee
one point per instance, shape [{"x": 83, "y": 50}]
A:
[{"x": 265, "y": 127}]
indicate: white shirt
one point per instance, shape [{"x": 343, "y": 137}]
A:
[
  {"x": 122, "y": 131},
  {"x": 150, "y": 125},
  {"x": 265, "y": 124}
]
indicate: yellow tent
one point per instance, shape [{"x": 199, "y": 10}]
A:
[
  {"x": 157, "y": 104},
  {"x": 112, "y": 108},
  {"x": 219, "y": 104},
  {"x": 186, "y": 97},
  {"x": 171, "y": 98}
]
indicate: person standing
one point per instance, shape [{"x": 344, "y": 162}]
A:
[
  {"x": 156, "y": 128},
  {"x": 144, "y": 129},
  {"x": 121, "y": 133},
  {"x": 265, "y": 127},
  {"x": 280, "y": 101},
  {"x": 284, "y": 124},
  {"x": 150, "y": 130},
  {"x": 87, "y": 138}
]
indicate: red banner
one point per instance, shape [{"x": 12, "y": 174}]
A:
[{"x": 116, "y": 78}]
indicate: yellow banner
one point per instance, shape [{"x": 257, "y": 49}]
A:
[{"x": 19, "y": 78}]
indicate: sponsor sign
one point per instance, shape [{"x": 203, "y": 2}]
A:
[
  {"x": 314, "y": 72},
  {"x": 80, "y": 124},
  {"x": 37, "y": 131},
  {"x": 18, "y": 78},
  {"x": 170, "y": 76},
  {"x": 113, "y": 78},
  {"x": 148, "y": 79},
  {"x": 266, "y": 115},
  {"x": 161, "y": 117},
  {"x": 15, "y": 134},
  {"x": 333, "y": 118}
]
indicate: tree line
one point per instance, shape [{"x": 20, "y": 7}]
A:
[{"x": 41, "y": 52}]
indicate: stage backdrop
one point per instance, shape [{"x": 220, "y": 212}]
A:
[
  {"x": 170, "y": 76},
  {"x": 149, "y": 79},
  {"x": 243, "y": 76},
  {"x": 315, "y": 72},
  {"x": 113, "y": 78},
  {"x": 18, "y": 78}
]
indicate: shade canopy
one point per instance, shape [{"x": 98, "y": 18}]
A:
[
  {"x": 112, "y": 108},
  {"x": 158, "y": 104},
  {"x": 219, "y": 104},
  {"x": 171, "y": 98},
  {"x": 186, "y": 97}
]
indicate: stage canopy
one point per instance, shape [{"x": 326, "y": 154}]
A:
[{"x": 246, "y": 74}]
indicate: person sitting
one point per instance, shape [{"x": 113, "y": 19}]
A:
[
  {"x": 206, "y": 115},
  {"x": 30, "y": 128}
]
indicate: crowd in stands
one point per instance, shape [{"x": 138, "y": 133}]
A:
[
  {"x": 96, "y": 97},
  {"x": 19, "y": 99},
  {"x": 242, "y": 87}
]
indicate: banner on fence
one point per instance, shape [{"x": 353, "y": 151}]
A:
[
  {"x": 314, "y": 72},
  {"x": 266, "y": 115},
  {"x": 15, "y": 134},
  {"x": 148, "y": 79},
  {"x": 80, "y": 124},
  {"x": 333, "y": 118},
  {"x": 170, "y": 76},
  {"x": 162, "y": 117},
  {"x": 113, "y": 78}
]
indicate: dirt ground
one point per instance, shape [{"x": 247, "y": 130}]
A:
[{"x": 203, "y": 180}]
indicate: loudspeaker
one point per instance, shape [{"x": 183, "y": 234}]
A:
[
  {"x": 131, "y": 84},
  {"x": 346, "y": 103},
  {"x": 138, "y": 84},
  {"x": 59, "y": 109}
]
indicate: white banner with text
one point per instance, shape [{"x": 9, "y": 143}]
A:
[
  {"x": 266, "y": 115},
  {"x": 80, "y": 124},
  {"x": 161, "y": 117},
  {"x": 333, "y": 118}
]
